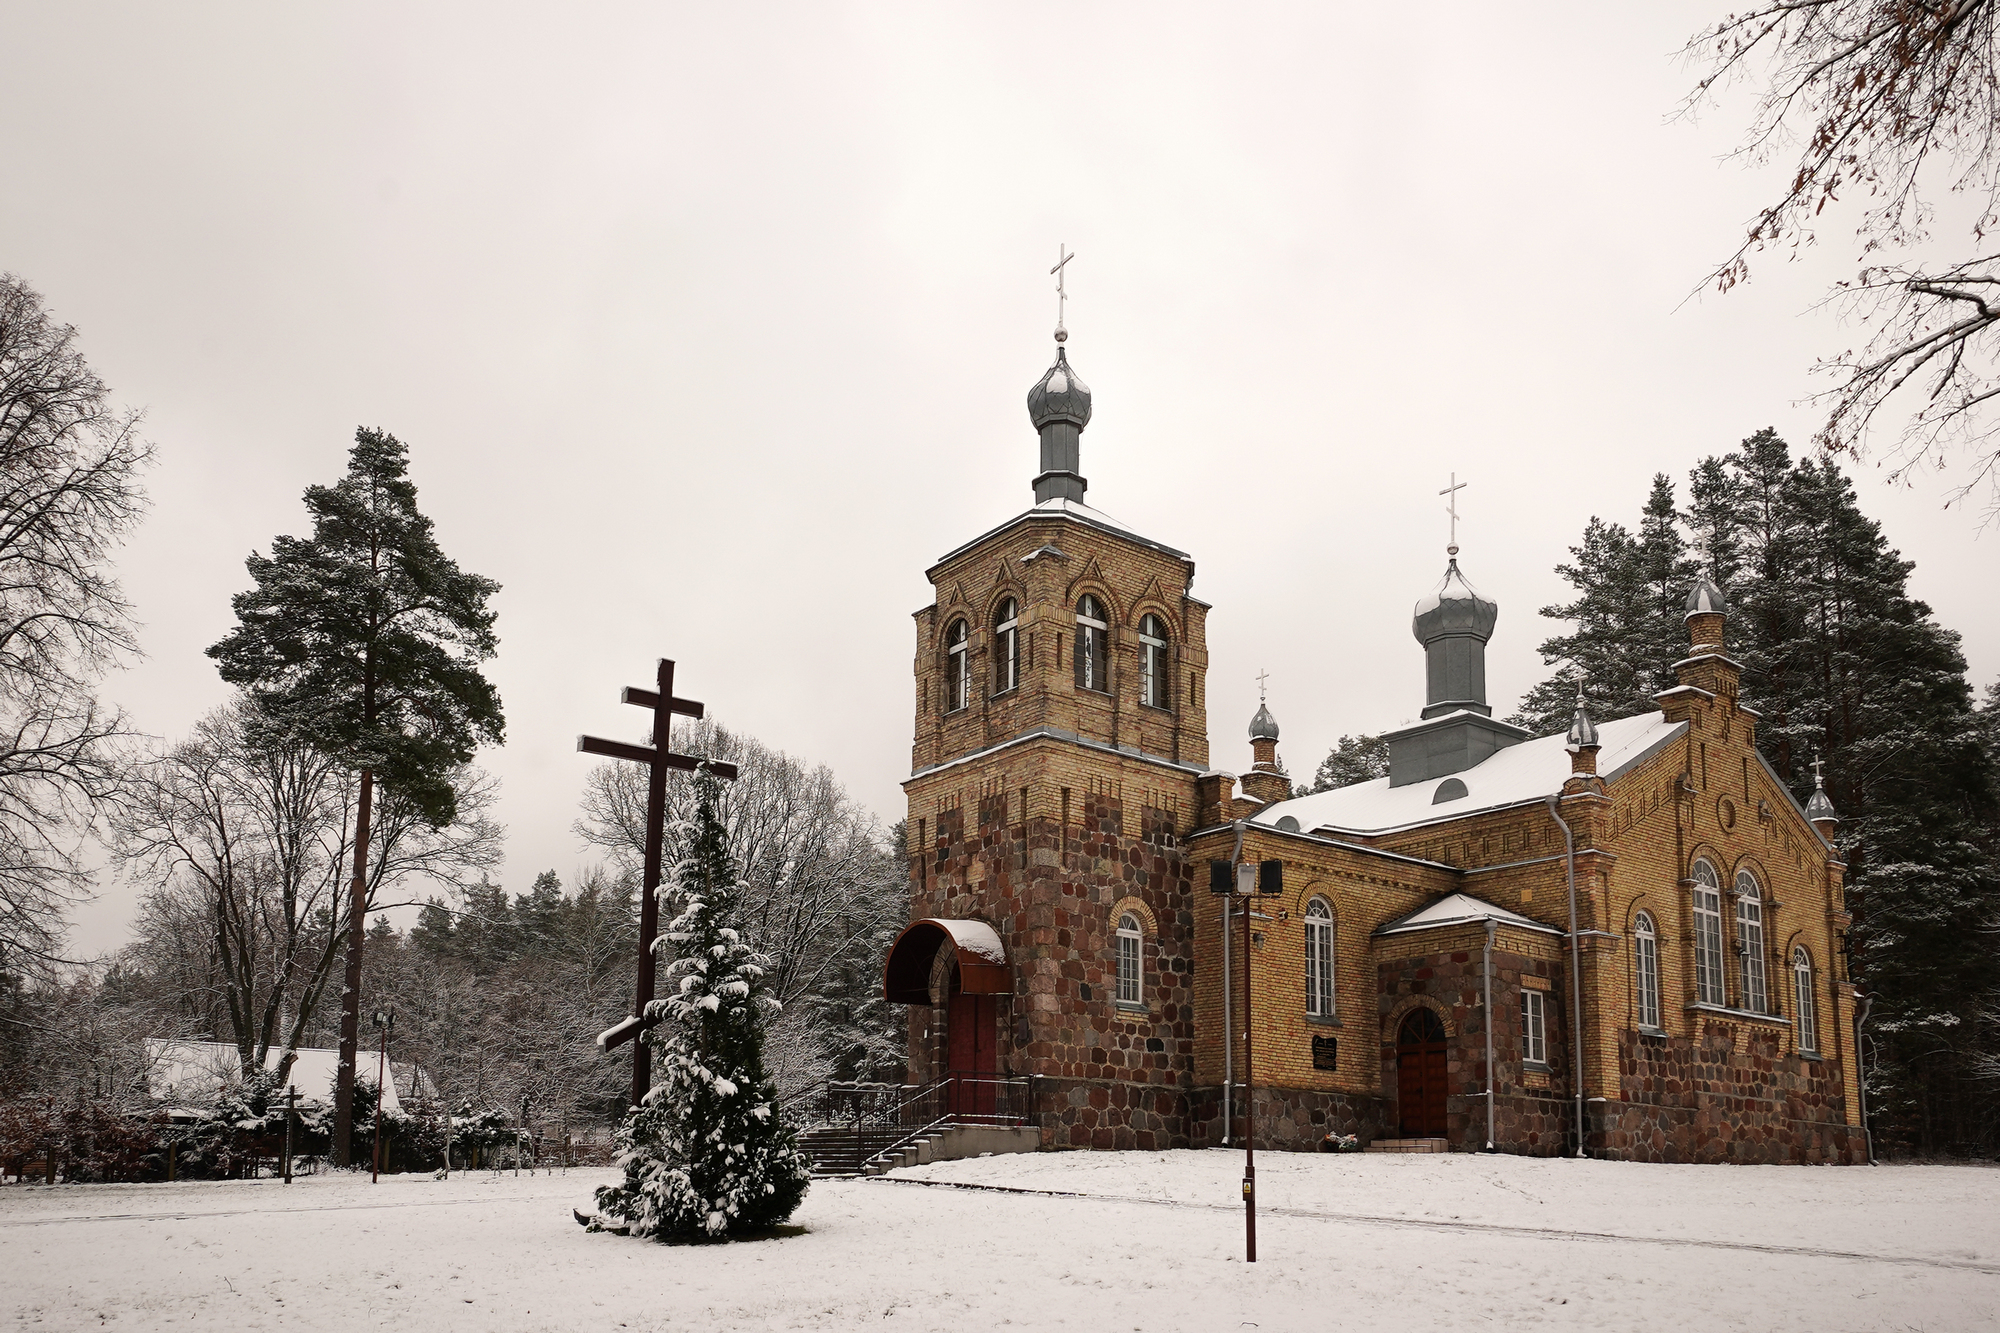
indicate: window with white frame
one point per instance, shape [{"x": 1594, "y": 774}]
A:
[
  {"x": 1646, "y": 970},
  {"x": 1154, "y": 672},
  {"x": 1750, "y": 942},
  {"x": 1130, "y": 938},
  {"x": 1534, "y": 1027},
  {"x": 1802, "y": 1000},
  {"x": 957, "y": 666},
  {"x": 1708, "y": 987},
  {"x": 1006, "y": 647},
  {"x": 1092, "y": 640},
  {"x": 1319, "y": 959}
]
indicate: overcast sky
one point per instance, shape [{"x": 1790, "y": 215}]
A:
[{"x": 709, "y": 327}]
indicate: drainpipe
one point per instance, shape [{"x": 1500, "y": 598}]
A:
[
  {"x": 1575, "y": 971},
  {"x": 1861, "y": 1073},
  {"x": 1486, "y": 968},
  {"x": 1228, "y": 1042}
]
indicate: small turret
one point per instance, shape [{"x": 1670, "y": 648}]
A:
[
  {"x": 1707, "y": 611},
  {"x": 1819, "y": 809},
  {"x": 1265, "y": 781},
  {"x": 1457, "y": 730},
  {"x": 1059, "y": 405},
  {"x": 1582, "y": 742}
]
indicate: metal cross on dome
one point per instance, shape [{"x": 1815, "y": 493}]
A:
[
  {"x": 1063, "y": 256},
  {"x": 1262, "y": 677},
  {"x": 1451, "y": 492}
]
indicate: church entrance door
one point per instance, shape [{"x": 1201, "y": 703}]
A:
[
  {"x": 970, "y": 1056},
  {"x": 1420, "y": 1075}
]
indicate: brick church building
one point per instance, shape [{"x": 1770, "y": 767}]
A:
[{"x": 1632, "y": 929}]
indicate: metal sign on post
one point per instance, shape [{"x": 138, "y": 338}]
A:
[{"x": 658, "y": 758}]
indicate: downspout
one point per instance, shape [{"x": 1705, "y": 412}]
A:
[
  {"x": 1861, "y": 1072},
  {"x": 1228, "y": 1038},
  {"x": 1575, "y": 971},
  {"x": 1486, "y": 968}
]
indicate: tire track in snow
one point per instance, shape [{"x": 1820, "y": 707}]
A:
[{"x": 1476, "y": 1228}]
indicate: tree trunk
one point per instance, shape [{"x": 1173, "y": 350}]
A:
[{"x": 350, "y": 995}]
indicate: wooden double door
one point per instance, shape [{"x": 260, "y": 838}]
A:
[{"x": 1420, "y": 1076}]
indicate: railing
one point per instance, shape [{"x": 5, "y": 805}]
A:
[{"x": 964, "y": 1099}]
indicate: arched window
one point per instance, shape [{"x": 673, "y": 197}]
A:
[
  {"x": 1646, "y": 969},
  {"x": 1006, "y": 647},
  {"x": 1708, "y": 988},
  {"x": 1319, "y": 959},
  {"x": 1129, "y": 937},
  {"x": 1092, "y": 634},
  {"x": 1750, "y": 942},
  {"x": 1154, "y": 672},
  {"x": 957, "y": 666},
  {"x": 1802, "y": 1000}
]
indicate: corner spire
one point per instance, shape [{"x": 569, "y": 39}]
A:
[{"x": 1059, "y": 407}]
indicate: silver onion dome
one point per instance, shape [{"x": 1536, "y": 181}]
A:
[
  {"x": 1263, "y": 727},
  {"x": 1059, "y": 396},
  {"x": 1706, "y": 599},
  {"x": 1454, "y": 608}
]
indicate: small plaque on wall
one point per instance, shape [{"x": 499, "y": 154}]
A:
[{"x": 1324, "y": 1051}]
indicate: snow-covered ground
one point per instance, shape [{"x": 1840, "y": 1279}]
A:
[{"x": 1102, "y": 1241}]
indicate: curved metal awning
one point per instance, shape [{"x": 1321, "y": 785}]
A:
[{"x": 982, "y": 960}]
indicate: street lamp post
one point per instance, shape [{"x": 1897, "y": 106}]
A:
[
  {"x": 384, "y": 1022},
  {"x": 1246, "y": 880}
]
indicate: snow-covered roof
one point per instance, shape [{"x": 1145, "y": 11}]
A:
[
  {"x": 194, "y": 1071},
  {"x": 977, "y": 938},
  {"x": 1456, "y": 909},
  {"x": 1062, "y": 507},
  {"x": 1529, "y": 771}
]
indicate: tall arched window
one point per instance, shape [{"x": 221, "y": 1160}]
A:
[
  {"x": 1708, "y": 986},
  {"x": 1646, "y": 969},
  {"x": 1129, "y": 939},
  {"x": 1154, "y": 671},
  {"x": 1006, "y": 647},
  {"x": 1319, "y": 959},
  {"x": 1750, "y": 942},
  {"x": 1092, "y": 635},
  {"x": 1802, "y": 1000},
  {"x": 957, "y": 666}
]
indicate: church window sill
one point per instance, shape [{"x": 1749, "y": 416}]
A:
[
  {"x": 1745, "y": 1015},
  {"x": 1658, "y": 1034},
  {"x": 1324, "y": 1021},
  {"x": 1813, "y": 1056},
  {"x": 1129, "y": 1010}
]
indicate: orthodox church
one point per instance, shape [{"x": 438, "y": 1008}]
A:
[{"x": 1625, "y": 938}]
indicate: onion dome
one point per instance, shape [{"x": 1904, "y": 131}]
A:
[
  {"x": 1263, "y": 727},
  {"x": 1819, "y": 807},
  {"x": 1059, "y": 396},
  {"x": 1582, "y": 731},
  {"x": 1453, "y": 608},
  {"x": 1706, "y": 599}
]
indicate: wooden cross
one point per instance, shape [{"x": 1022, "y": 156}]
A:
[
  {"x": 658, "y": 758},
  {"x": 1062, "y": 262},
  {"x": 1452, "y": 507}
]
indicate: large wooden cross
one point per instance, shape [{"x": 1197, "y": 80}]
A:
[{"x": 657, "y": 758}]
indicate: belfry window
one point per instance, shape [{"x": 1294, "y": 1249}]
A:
[
  {"x": 1319, "y": 959},
  {"x": 1750, "y": 942},
  {"x": 1154, "y": 673},
  {"x": 957, "y": 667},
  {"x": 1006, "y": 647},
  {"x": 1646, "y": 971},
  {"x": 1092, "y": 635},
  {"x": 1129, "y": 940},
  {"x": 1708, "y": 988},
  {"x": 1807, "y": 1022}
]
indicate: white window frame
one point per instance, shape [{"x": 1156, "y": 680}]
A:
[
  {"x": 1153, "y": 668},
  {"x": 1806, "y": 1021},
  {"x": 1320, "y": 999},
  {"x": 958, "y": 666},
  {"x": 1754, "y": 973},
  {"x": 1093, "y": 637},
  {"x": 1007, "y": 647},
  {"x": 1709, "y": 986},
  {"x": 1131, "y": 955},
  {"x": 1646, "y": 970},
  {"x": 1534, "y": 1028}
]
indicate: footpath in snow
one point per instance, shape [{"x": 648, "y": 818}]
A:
[{"x": 1094, "y": 1241}]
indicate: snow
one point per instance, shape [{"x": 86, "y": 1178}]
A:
[
  {"x": 1456, "y": 907},
  {"x": 976, "y": 938},
  {"x": 1118, "y": 1241},
  {"x": 1529, "y": 771},
  {"x": 196, "y": 1070}
]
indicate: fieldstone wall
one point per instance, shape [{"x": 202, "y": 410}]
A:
[{"x": 1731, "y": 1094}]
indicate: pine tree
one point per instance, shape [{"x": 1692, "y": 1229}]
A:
[
  {"x": 708, "y": 1156},
  {"x": 1352, "y": 759}
]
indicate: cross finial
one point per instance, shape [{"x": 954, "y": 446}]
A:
[
  {"x": 1063, "y": 256},
  {"x": 1451, "y": 492},
  {"x": 1262, "y": 677},
  {"x": 1819, "y": 776}
]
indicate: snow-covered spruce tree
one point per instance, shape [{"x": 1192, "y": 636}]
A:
[{"x": 708, "y": 1156}]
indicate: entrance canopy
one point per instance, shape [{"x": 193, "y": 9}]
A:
[{"x": 982, "y": 960}]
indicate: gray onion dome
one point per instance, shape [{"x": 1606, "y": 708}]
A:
[
  {"x": 1582, "y": 731},
  {"x": 1453, "y": 608},
  {"x": 1059, "y": 396},
  {"x": 1819, "y": 807},
  {"x": 1263, "y": 727},
  {"x": 1706, "y": 599}
]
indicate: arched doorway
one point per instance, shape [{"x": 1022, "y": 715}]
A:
[{"x": 1420, "y": 1075}]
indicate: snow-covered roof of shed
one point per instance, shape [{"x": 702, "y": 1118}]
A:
[
  {"x": 197, "y": 1070},
  {"x": 1456, "y": 909},
  {"x": 1525, "y": 772},
  {"x": 1062, "y": 507}
]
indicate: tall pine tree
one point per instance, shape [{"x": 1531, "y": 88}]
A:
[{"x": 708, "y": 1156}]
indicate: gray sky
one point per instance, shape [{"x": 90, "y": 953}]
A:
[{"x": 709, "y": 327}]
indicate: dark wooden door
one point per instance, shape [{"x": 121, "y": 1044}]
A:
[
  {"x": 970, "y": 1056},
  {"x": 1420, "y": 1075}
]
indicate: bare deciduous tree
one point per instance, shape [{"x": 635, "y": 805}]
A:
[{"x": 69, "y": 492}]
